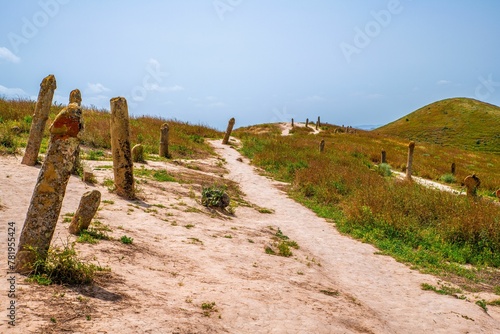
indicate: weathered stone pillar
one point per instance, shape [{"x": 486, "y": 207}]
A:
[
  {"x": 472, "y": 182},
  {"x": 292, "y": 123},
  {"x": 229, "y": 129},
  {"x": 120, "y": 148},
  {"x": 86, "y": 211},
  {"x": 322, "y": 146},
  {"x": 40, "y": 116},
  {"x": 45, "y": 206},
  {"x": 307, "y": 122},
  {"x": 498, "y": 194},
  {"x": 76, "y": 97},
  {"x": 164, "y": 141},
  {"x": 138, "y": 153},
  {"x": 409, "y": 164},
  {"x": 383, "y": 157},
  {"x": 453, "y": 168},
  {"x": 318, "y": 124}
]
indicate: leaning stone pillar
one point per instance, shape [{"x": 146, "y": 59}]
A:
[
  {"x": 229, "y": 129},
  {"x": 40, "y": 116},
  {"x": 50, "y": 188},
  {"x": 120, "y": 148},
  {"x": 86, "y": 211},
  {"x": 409, "y": 164},
  {"x": 164, "y": 131}
]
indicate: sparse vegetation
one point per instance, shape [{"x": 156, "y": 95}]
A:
[{"x": 126, "y": 240}]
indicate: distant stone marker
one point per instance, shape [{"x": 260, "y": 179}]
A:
[
  {"x": 498, "y": 194},
  {"x": 229, "y": 129},
  {"x": 292, "y": 123},
  {"x": 76, "y": 97},
  {"x": 138, "y": 153},
  {"x": 86, "y": 211},
  {"x": 318, "y": 124},
  {"x": 48, "y": 195},
  {"x": 307, "y": 122},
  {"x": 40, "y": 116},
  {"x": 409, "y": 164},
  {"x": 453, "y": 168},
  {"x": 120, "y": 148},
  {"x": 471, "y": 183},
  {"x": 383, "y": 157},
  {"x": 164, "y": 132},
  {"x": 322, "y": 146}
]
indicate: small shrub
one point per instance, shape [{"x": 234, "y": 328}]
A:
[
  {"x": 126, "y": 240},
  {"x": 214, "y": 196},
  {"x": 95, "y": 154},
  {"x": 62, "y": 266},
  {"x": 384, "y": 169},
  {"x": 448, "y": 178}
]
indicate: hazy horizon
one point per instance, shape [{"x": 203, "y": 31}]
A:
[{"x": 352, "y": 63}]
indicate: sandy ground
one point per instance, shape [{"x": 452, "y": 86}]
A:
[{"x": 184, "y": 256}]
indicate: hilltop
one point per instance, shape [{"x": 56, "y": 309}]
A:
[{"x": 458, "y": 122}]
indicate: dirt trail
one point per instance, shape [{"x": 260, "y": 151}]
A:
[
  {"x": 286, "y": 127},
  {"x": 389, "y": 289}
]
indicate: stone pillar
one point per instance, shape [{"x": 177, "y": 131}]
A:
[
  {"x": 383, "y": 157},
  {"x": 138, "y": 153},
  {"x": 45, "y": 206},
  {"x": 120, "y": 148},
  {"x": 229, "y": 129},
  {"x": 76, "y": 97},
  {"x": 453, "y": 168},
  {"x": 472, "y": 182},
  {"x": 292, "y": 123},
  {"x": 86, "y": 211},
  {"x": 318, "y": 124},
  {"x": 164, "y": 141},
  {"x": 40, "y": 116},
  {"x": 409, "y": 164},
  {"x": 322, "y": 146},
  {"x": 498, "y": 194},
  {"x": 307, "y": 122}
]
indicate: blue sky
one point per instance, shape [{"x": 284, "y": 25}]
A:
[{"x": 204, "y": 61}]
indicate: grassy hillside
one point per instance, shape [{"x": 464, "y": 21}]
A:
[
  {"x": 436, "y": 231},
  {"x": 186, "y": 140},
  {"x": 458, "y": 122}
]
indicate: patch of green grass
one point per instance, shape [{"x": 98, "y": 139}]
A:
[
  {"x": 442, "y": 290},
  {"x": 448, "y": 178},
  {"x": 91, "y": 236},
  {"x": 62, "y": 266},
  {"x": 189, "y": 226},
  {"x": 95, "y": 155},
  {"x": 126, "y": 240},
  {"x": 107, "y": 201}
]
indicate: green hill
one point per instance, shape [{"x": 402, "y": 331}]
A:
[{"x": 459, "y": 122}]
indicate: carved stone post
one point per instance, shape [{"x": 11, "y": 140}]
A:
[
  {"x": 86, "y": 211},
  {"x": 383, "y": 157},
  {"x": 411, "y": 148},
  {"x": 40, "y": 116},
  {"x": 120, "y": 148},
  {"x": 229, "y": 129},
  {"x": 138, "y": 153},
  {"x": 45, "y": 206},
  {"x": 76, "y": 97},
  {"x": 164, "y": 130},
  {"x": 322, "y": 146},
  {"x": 472, "y": 182}
]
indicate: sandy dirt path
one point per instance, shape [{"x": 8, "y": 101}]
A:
[{"x": 389, "y": 289}]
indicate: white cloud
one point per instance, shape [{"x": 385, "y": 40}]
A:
[
  {"x": 97, "y": 88},
  {"x": 443, "y": 82},
  {"x": 8, "y": 55},
  {"x": 12, "y": 92}
]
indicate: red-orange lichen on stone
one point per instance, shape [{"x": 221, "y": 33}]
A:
[{"x": 67, "y": 123}]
